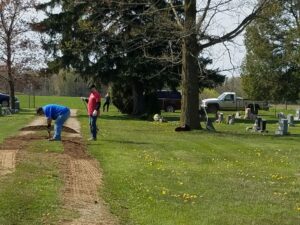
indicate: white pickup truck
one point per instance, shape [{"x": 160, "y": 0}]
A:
[{"x": 228, "y": 101}]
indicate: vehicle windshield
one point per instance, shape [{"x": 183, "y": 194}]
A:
[{"x": 221, "y": 97}]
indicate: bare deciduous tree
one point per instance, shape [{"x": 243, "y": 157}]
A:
[
  {"x": 16, "y": 43},
  {"x": 198, "y": 34}
]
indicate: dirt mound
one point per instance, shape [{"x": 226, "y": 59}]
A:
[
  {"x": 9, "y": 151},
  {"x": 18, "y": 142},
  {"x": 75, "y": 148},
  {"x": 44, "y": 127}
]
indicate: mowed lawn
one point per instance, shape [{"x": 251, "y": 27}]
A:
[{"x": 155, "y": 176}]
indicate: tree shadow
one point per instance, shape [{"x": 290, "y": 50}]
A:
[
  {"x": 127, "y": 142},
  {"x": 172, "y": 118},
  {"x": 252, "y": 133},
  {"x": 113, "y": 117}
]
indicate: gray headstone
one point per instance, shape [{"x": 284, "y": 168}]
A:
[
  {"x": 297, "y": 117},
  {"x": 263, "y": 125},
  {"x": 220, "y": 118},
  {"x": 258, "y": 123},
  {"x": 283, "y": 127},
  {"x": 290, "y": 118},
  {"x": 281, "y": 116}
]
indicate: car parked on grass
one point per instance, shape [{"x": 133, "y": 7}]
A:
[
  {"x": 4, "y": 101},
  {"x": 169, "y": 100}
]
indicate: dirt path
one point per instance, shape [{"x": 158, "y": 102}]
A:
[
  {"x": 7, "y": 161},
  {"x": 82, "y": 174}
]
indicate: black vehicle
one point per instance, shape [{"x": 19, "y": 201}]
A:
[
  {"x": 169, "y": 100},
  {"x": 4, "y": 101}
]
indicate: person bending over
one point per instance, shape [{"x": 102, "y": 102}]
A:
[{"x": 55, "y": 112}]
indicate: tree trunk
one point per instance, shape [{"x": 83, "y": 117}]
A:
[
  {"x": 138, "y": 99},
  {"x": 12, "y": 95},
  {"x": 190, "y": 82},
  {"x": 11, "y": 81}
]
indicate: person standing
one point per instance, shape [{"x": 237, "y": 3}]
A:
[
  {"x": 93, "y": 106},
  {"x": 107, "y": 102},
  {"x": 55, "y": 112}
]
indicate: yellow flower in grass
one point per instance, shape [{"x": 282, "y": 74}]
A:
[{"x": 298, "y": 207}]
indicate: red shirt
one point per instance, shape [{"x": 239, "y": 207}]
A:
[{"x": 94, "y": 98}]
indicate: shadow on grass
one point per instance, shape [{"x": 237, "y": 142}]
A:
[
  {"x": 129, "y": 117},
  {"x": 113, "y": 117},
  {"x": 127, "y": 142},
  {"x": 172, "y": 118},
  {"x": 269, "y": 121},
  {"x": 251, "y": 133}
]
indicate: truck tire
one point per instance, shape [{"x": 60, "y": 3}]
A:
[{"x": 212, "y": 108}]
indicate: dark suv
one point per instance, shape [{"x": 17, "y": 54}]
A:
[
  {"x": 169, "y": 100},
  {"x": 4, "y": 101}
]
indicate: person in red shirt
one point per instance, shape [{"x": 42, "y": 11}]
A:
[{"x": 93, "y": 108}]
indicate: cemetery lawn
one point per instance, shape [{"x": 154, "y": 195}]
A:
[{"x": 155, "y": 176}]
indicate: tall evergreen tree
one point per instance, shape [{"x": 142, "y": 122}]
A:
[
  {"x": 137, "y": 46},
  {"x": 272, "y": 68}
]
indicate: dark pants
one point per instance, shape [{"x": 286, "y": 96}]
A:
[
  {"x": 93, "y": 126},
  {"x": 107, "y": 106}
]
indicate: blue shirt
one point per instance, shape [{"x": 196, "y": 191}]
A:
[{"x": 52, "y": 111}]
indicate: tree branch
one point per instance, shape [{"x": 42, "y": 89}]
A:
[
  {"x": 212, "y": 40},
  {"x": 176, "y": 16}
]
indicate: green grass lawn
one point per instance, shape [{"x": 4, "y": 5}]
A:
[
  {"x": 9, "y": 125},
  {"x": 155, "y": 176}
]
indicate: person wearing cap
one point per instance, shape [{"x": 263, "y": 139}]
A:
[
  {"x": 93, "y": 108},
  {"x": 55, "y": 112}
]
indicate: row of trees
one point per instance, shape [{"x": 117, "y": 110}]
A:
[
  {"x": 272, "y": 66},
  {"x": 139, "y": 46}
]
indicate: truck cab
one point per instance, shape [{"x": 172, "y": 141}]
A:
[
  {"x": 230, "y": 102},
  {"x": 227, "y": 100}
]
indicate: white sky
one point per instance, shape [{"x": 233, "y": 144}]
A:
[
  {"x": 229, "y": 56},
  {"x": 228, "y": 62}
]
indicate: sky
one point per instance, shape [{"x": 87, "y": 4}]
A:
[
  {"x": 228, "y": 56},
  {"x": 229, "y": 63}
]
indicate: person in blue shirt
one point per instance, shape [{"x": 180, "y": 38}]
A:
[{"x": 58, "y": 113}]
